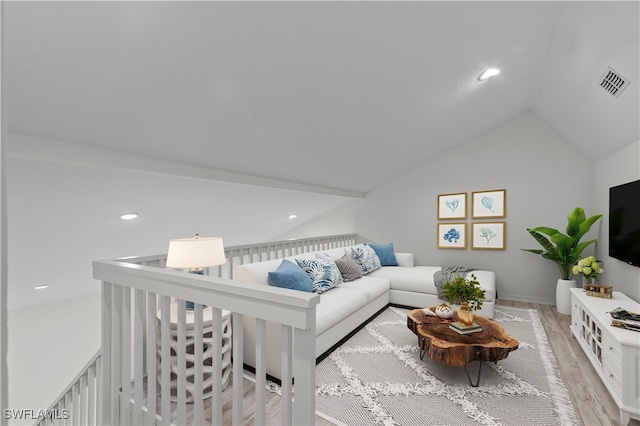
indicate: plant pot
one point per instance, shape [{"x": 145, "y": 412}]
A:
[
  {"x": 563, "y": 296},
  {"x": 465, "y": 314}
]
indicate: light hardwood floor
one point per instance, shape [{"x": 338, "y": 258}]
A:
[{"x": 592, "y": 401}]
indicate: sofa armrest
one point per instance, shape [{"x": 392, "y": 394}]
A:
[
  {"x": 487, "y": 280},
  {"x": 405, "y": 260}
]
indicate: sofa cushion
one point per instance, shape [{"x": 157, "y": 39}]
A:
[
  {"x": 336, "y": 305},
  {"x": 385, "y": 253},
  {"x": 348, "y": 268},
  {"x": 366, "y": 258},
  {"x": 323, "y": 273},
  {"x": 290, "y": 275},
  {"x": 373, "y": 287},
  {"x": 417, "y": 279}
]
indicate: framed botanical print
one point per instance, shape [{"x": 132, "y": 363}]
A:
[
  {"x": 452, "y": 206},
  {"x": 488, "y": 235},
  {"x": 489, "y": 204},
  {"x": 452, "y": 235}
]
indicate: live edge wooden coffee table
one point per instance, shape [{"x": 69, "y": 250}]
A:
[{"x": 442, "y": 344}]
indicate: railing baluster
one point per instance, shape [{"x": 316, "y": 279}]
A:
[
  {"x": 286, "y": 356},
  {"x": 82, "y": 388},
  {"x": 165, "y": 369},
  {"x": 116, "y": 366},
  {"x": 216, "y": 395},
  {"x": 125, "y": 408},
  {"x": 238, "y": 379},
  {"x": 181, "y": 352},
  {"x": 261, "y": 371},
  {"x": 198, "y": 406},
  {"x": 138, "y": 360},
  {"x": 152, "y": 354},
  {"x": 91, "y": 397}
]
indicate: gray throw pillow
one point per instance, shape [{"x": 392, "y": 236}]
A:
[{"x": 348, "y": 268}]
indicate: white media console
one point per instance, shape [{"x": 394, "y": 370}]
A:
[{"x": 613, "y": 352}]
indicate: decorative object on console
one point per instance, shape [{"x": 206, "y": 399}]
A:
[
  {"x": 489, "y": 204},
  {"x": 589, "y": 268},
  {"x": 196, "y": 254},
  {"x": 596, "y": 290},
  {"x": 452, "y": 235},
  {"x": 564, "y": 251},
  {"x": 488, "y": 236},
  {"x": 452, "y": 206}
]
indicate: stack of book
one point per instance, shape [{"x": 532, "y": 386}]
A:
[
  {"x": 626, "y": 323},
  {"x": 625, "y": 319},
  {"x": 465, "y": 329}
]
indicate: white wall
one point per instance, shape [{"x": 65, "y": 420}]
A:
[
  {"x": 545, "y": 179},
  {"x": 620, "y": 167},
  {"x": 48, "y": 345}
]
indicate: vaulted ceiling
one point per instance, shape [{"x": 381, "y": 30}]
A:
[
  {"x": 336, "y": 94},
  {"x": 327, "y": 100}
]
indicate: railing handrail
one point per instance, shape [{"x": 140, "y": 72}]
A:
[
  {"x": 244, "y": 298},
  {"x": 229, "y": 249}
]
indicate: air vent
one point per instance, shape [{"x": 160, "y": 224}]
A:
[{"x": 613, "y": 82}]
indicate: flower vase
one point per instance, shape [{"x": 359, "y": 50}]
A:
[
  {"x": 465, "y": 314},
  {"x": 586, "y": 281}
]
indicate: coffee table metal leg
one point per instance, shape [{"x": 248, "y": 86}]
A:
[
  {"x": 469, "y": 377},
  {"x": 422, "y": 352}
]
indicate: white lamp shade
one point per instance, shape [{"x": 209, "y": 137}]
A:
[{"x": 195, "y": 252}]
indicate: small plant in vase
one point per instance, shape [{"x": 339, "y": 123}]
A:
[
  {"x": 466, "y": 293},
  {"x": 589, "y": 268}
]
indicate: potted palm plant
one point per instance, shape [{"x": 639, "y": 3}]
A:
[
  {"x": 466, "y": 293},
  {"x": 564, "y": 250}
]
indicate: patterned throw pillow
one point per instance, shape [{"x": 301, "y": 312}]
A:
[
  {"x": 290, "y": 275},
  {"x": 348, "y": 268},
  {"x": 323, "y": 272},
  {"x": 366, "y": 259}
]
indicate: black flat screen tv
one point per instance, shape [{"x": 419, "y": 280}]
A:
[{"x": 624, "y": 222}]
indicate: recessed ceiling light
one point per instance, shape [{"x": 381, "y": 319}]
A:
[
  {"x": 41, "y": 287},
  {"x": 129, "y": 216},
  {"x": 489, "y": 73},
  {"x": 293, "y": 216}
]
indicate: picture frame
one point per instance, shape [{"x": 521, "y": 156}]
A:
[
  {"x": 488, "y": 236},
  {"x": 489, "y": 204},
  {"x": 452, "y": 206},
  {"x": 452, "y": 235}
]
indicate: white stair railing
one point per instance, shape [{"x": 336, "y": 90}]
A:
[
  {"x": 79, "y": 400},
  {"x": 138, "y": 345}
]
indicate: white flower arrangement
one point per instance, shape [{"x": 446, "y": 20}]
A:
[{"x": 588, "y": 268}]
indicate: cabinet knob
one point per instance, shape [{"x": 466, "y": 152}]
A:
[
  {"x": 610, "y": 348},
  {"x": 611, "y": 376}
]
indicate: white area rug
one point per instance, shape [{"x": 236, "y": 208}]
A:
[{"x": 377, "y": 377}]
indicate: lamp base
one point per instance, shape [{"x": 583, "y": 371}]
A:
[{"x": 199, "y": 271}]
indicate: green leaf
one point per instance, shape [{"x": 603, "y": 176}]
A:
[{"x": 575, "y": 218}]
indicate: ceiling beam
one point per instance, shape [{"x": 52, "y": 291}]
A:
[{"x": 38, "y": 149}]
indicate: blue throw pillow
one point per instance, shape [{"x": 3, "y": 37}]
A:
[
  {"x": 289, "y": 275},
  {"x": 385, "y": 253},
  {"x": 323, "y": 273}
]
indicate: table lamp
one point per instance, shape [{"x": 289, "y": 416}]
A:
[{"x": 196, "y": 254}]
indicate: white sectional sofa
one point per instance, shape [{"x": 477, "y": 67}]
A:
[{"x": 346, "y": 306}]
